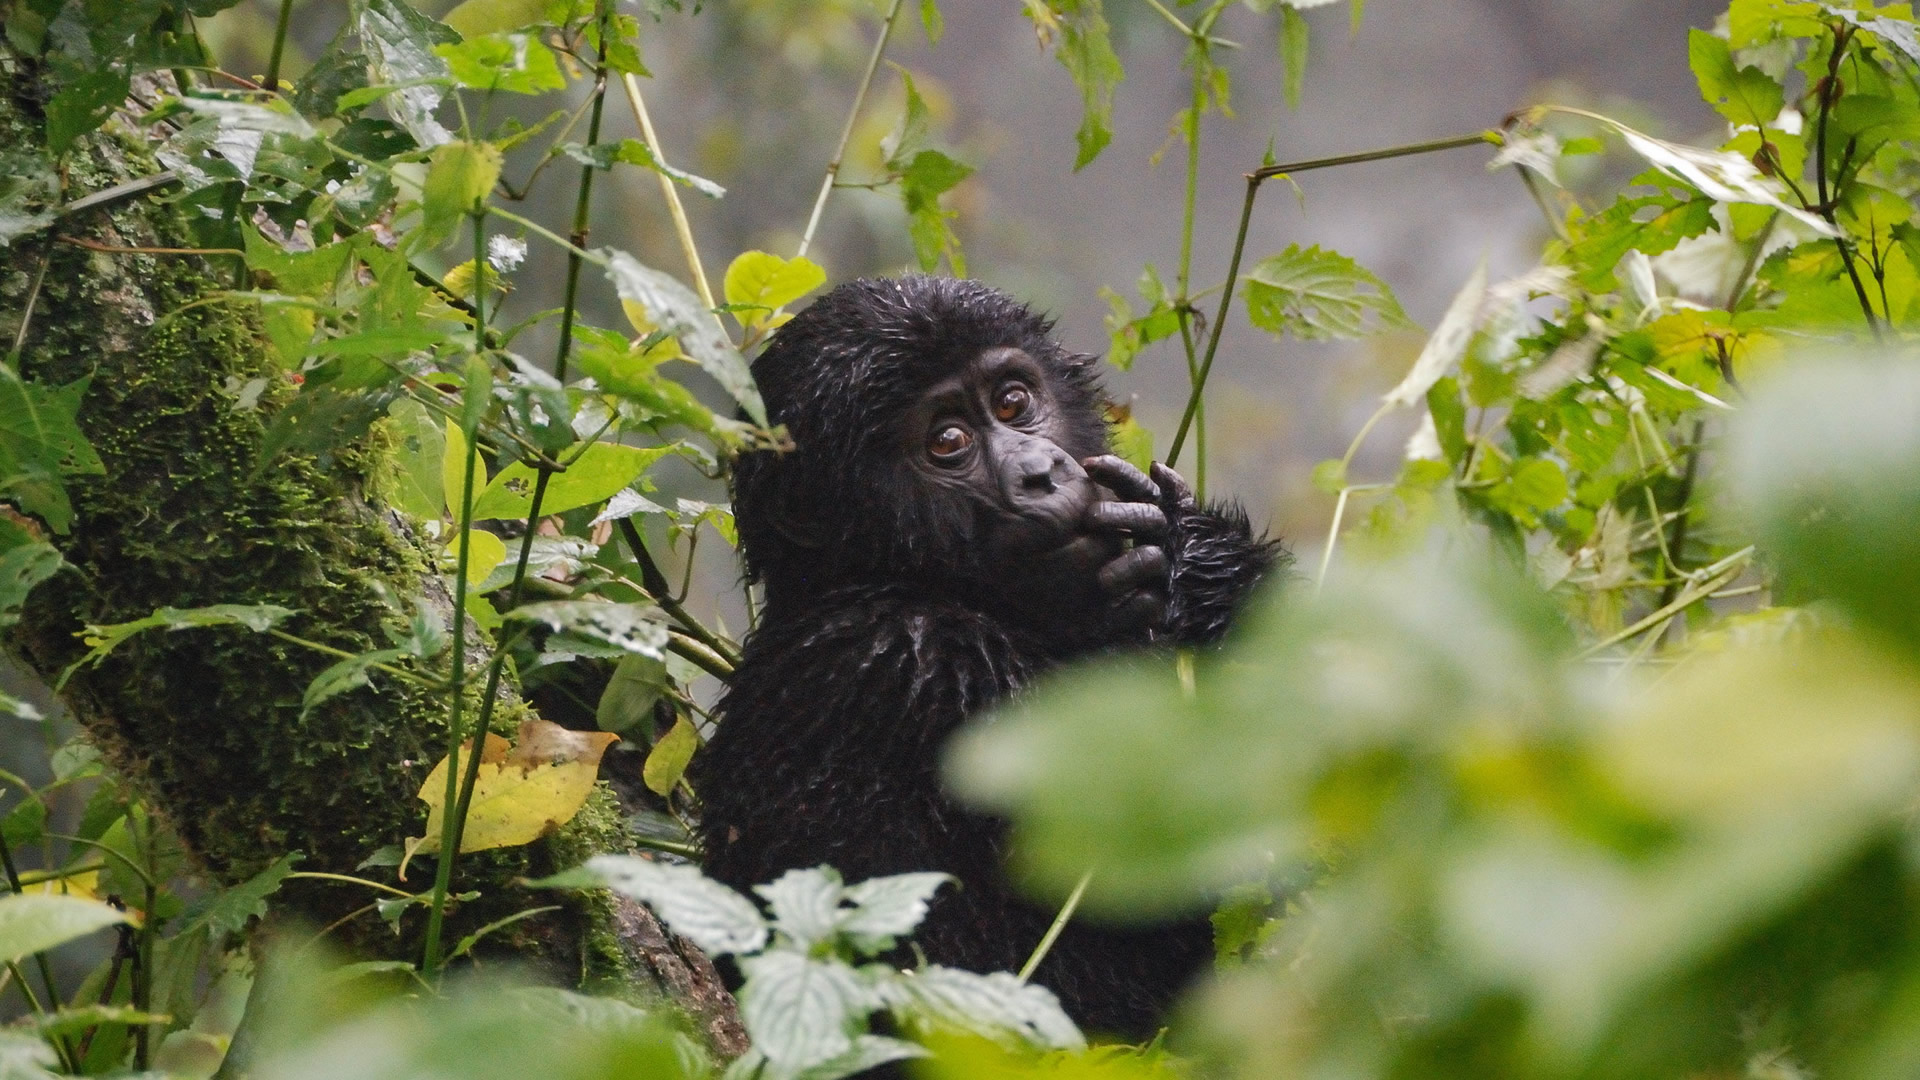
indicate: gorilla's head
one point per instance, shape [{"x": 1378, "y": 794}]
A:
[{"x": 938, "y": 431}]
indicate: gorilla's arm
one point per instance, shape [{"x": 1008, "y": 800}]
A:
[{"x": 828, "y": 744}]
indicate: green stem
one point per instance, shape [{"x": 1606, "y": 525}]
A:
[
  {"x": 1196, "y": 106},
  {"x": 846, "y": 130},
  {"x": 279, "y": 46},
  {"x": 1829, "y": 92},
  {"x": 450, "y": 821},
  {"x": 1254, "y": 180},
  {"x": 656, "y": 586},
  {"x": 582, "y": 221},
  {"x": 1053, "y": 931}
]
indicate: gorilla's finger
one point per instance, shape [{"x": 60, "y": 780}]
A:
[
  {"x": 1142, "y": 608},
  {"x": 1137, "y": 518},
  {"x": 1178, "y": 493},
  {"x": 1122, "y": 478},
  {"x": 1142, "y": 565}
]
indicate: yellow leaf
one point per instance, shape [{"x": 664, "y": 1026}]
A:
[
  {"x": 669, "y": 757},
  {"x": 523, "y": 792},
  {"x": 453, "y": 470},
  {"x": 757, "y": 279},
  {"x": 489, "y": 551}
]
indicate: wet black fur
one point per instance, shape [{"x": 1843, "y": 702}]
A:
[{"x": 883, "y": 632}]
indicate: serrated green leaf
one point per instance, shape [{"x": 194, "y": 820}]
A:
[
  {"x": 674, "y": 308},
  {"x": 617, "y": 628},
  {"x": 399, "y": 42},
  {"x": 348, "y": 674},
  {"x": 1320, "y": 296},
  {"x": 600, "y": 471},
  {"x": 1086, "y": 51},
  {"x": 515, "y": 63},
  {"x": 716, "y": 919},
  {"x": 1744, "y": 95}
]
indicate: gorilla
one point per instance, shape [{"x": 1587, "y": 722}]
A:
[{"x": 948, "y": 526}]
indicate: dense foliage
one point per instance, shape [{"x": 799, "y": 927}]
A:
[{"x": 1589, "y": 746}]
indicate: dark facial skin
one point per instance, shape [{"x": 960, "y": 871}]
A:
[{"x": 1073, "y": 526}]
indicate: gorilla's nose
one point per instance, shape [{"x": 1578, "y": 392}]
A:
[{"x": 1035, "y": 468}]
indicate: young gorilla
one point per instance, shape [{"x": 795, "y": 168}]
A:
[{"x": 938, "y": 538}]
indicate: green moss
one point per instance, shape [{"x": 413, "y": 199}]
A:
[{"x": 209, "y": 722}]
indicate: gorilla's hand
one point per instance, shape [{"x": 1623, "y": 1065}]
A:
[{"x": 1135, "y": 582}]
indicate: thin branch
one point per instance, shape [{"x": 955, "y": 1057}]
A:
[
  {"x": 667, "y": 188},
  {"x": 1254, "y": 180},
  {"x": 846, "y": 130},
  {"x": 1053, "y": 931}
]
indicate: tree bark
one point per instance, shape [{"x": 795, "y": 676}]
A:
[{"x": 208, "y": 723}]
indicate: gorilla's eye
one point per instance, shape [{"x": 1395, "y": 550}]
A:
[
  {"x": 949, "y": 442},
  {"x": 1012, "y": 403}
]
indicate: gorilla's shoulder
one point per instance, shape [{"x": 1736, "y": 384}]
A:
[{"x": 894, "y": 627}]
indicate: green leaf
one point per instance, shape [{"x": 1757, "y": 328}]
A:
[
  {"x": 719, "y": 921},
  {"x": 1086, "y": 50},
  {"x": 419, "y": 453},
  {"x": 476, "y": 395},
  {"x": 453, "y": 469},
  {"x": 635, "y": 152},
  {"x": 798, "y": 1010},
  {"x": 515, "y": 63},
  {"x": 21, "y": 568},
  {"x": 84, "y": 104},
  {"x": 229, "y": 910},
  {"x": 103, "y": 639},
  {"x": 1130, "y": 440},
  {"x": 668, "y": 759},
  {"x": 1293, "y": 52},
  {"x": 1601, "y": 241},
  {"x": 1742, "y": 95},
  {"x": 1540, "y": 485},
  {"x": 1826, "y": 460},
  {"x": 931, "y": 21},
  {"x": 1330, "y": 476},
  {"x": 767, "y": 282},
  {"x": 460, "y": 176},
  {"x": 33, "y": 922},
  {"x": 473, "y": 18},
  {"x": 1320, "y": 296},
  {"x": 399, "y": 41},
  {"x": 348, "y": 674},
  {"x": 600, "y": 471},
  {"x": 626, "y": 705},
  {"x": 40, "y": 442},
  {"x": 674, "y": 308},
  {"x": 601, "y": 629}
]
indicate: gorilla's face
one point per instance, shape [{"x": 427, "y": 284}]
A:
[{"x": 992, "y": 437}]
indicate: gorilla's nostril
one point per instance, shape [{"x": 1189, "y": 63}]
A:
[{"x": 1038, "y": 481}]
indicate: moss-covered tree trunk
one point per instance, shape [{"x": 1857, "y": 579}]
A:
[{"x": 209, "y": 722}]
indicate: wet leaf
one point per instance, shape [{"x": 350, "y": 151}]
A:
[{"x": 522, "y": 792}]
